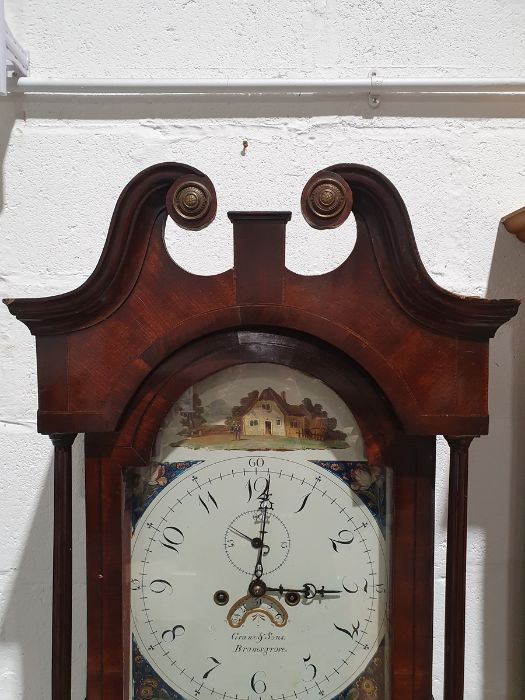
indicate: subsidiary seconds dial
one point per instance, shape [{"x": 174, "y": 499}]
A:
[
  {"x": 229, "y": 567},
  {"x": 237, "y": 541}
]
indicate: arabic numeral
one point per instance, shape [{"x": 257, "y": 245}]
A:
[
  {"x": 216, "y": 662},
  {"x": 351, "y": 634},
  {"x": 355, "y": 588},
  {"x": 260, "y": 488},
  {"x": 172, "y": 634},
  {"x": 256, "y": 462},
  {"x": 307, "y": 666},
  {"x": 211, "y": 500},
  {"x": 343, "y": 534},
  {"x": 173, "y": 538},
  {"x": 261, "y": 685},
  {"x": 159, "y": 585},
  {"x": 305, "y": 499}
]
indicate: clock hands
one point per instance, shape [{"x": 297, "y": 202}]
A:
[
  {"x": 245, "y": 530},
  {"x": 308, "y": 590},
  {"x": 257, "y": 587},
  {"x": 241, "y": 534},
  {"x": 258, "y": 571},
  {"x": 256, "y": 542}
]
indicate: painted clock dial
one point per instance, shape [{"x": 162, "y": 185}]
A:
[{"x": 259, "y": 564}]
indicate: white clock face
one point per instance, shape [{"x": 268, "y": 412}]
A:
[{"x": 258, "y": 575}]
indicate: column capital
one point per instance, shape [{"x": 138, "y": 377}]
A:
[
  {"x": 459, "y": 443},
  {"x": 62, "y": 439}
]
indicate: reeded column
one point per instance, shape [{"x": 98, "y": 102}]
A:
[
  {"x": 62, "y": 568},
  {"x": 456, "y": 567}
]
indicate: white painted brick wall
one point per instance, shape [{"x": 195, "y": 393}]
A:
[{"x": 459, "y": 164}]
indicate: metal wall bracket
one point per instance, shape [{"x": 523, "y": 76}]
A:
[
  {"x": 13, "y": 58},
  {"x": 374, "y": 99}
]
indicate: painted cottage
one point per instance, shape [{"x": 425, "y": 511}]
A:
[{"x": 270, "y": 414}]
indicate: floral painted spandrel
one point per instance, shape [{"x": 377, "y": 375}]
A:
[
  {"x": 368, "y": 481},
  {"x": 371, "y": 684},
  {"x": 149, "y": 481},
  {"x": 147, "y": 684}
]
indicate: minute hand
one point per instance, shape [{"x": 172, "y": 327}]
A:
[
  {"x": 258, "y": 571},
  {"x": 308, "y": 590}
]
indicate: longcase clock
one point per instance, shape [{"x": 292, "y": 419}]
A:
[{"x": 260, "y": 452}]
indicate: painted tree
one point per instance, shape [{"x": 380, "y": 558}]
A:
[
  {"x": 324, "y": 424},
  {"x": 237, "y": 411},
  {"x": 193, "y": 420}
]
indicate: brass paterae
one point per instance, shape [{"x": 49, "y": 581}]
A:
[
  {"x": 327, "y": 198},
  {"x": 191, "y": 200}
]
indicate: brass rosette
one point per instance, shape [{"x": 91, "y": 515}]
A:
[
  {"x": 326, "y": 201},
  {"x": 327, "y": 198},
  {"x": 191, "y": 202}
]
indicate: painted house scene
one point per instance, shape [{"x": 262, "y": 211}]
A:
[
  {"x": 270, "y": 414},
  {"x": 259, "y": 406}
]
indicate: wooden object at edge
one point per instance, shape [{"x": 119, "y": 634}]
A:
[{"x": 515, "y": 223}]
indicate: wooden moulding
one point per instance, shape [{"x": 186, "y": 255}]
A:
[{"x": 425, "y": 347}]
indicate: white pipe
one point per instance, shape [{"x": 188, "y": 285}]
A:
[
  {"x": 372, "y": 85},
  {"x": 16, "y": 53}
]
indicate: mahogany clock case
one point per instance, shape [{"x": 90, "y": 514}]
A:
[
  {"x": 408, "y": 358},
  {"x": 109, "y": 458}
]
